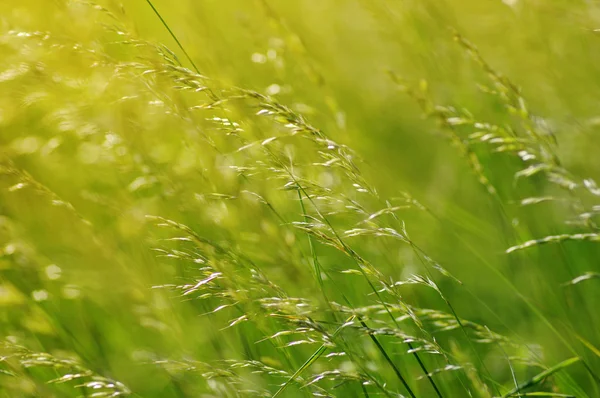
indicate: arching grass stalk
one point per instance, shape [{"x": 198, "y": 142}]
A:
[
  {"x": 315, "y": 259},
  {"x": 419, "y": 252},
  {"x": 389, "y": 361},
  {"x": 166, "y": 25},
  {"x": 302, "y": 191},
  {"x": 352, "y": 254},
  {"x": 360, "y": 264}
]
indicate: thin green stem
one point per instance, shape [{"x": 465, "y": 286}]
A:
[
  {"x": 166, "y": 25},
  {"x": 388, "y": 359}
]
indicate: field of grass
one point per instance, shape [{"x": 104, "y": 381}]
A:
[{"x": 291, "y": 198}]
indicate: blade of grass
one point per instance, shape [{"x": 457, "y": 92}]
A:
[
  {"x": 315, "y": 260},
  {"x": 389, "y": 360},
  {"x": 173, "y": 35},
  {"x": 588, "y": 345},
  {"x": 547, "y": 394},
  {"x": 541, "y": 376}
]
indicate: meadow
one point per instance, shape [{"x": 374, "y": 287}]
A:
[{"x": 292, "y": 198}]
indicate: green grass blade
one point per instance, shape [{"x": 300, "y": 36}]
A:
[
  {"x": 541, "y": 376},
  {"x": 166, "y": 25}
]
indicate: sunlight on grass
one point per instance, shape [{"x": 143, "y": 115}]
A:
[{"x": 278, "y": 199}]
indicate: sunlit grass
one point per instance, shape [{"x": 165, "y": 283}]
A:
[{"x": 272, "y": 198}]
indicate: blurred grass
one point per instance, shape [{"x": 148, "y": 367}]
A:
[{"x": 91, "y": 144}]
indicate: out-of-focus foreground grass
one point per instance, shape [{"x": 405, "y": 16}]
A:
[{"x": 323, "y": 203}]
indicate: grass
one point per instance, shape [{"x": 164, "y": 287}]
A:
[{"x": 268, "y": 198}]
